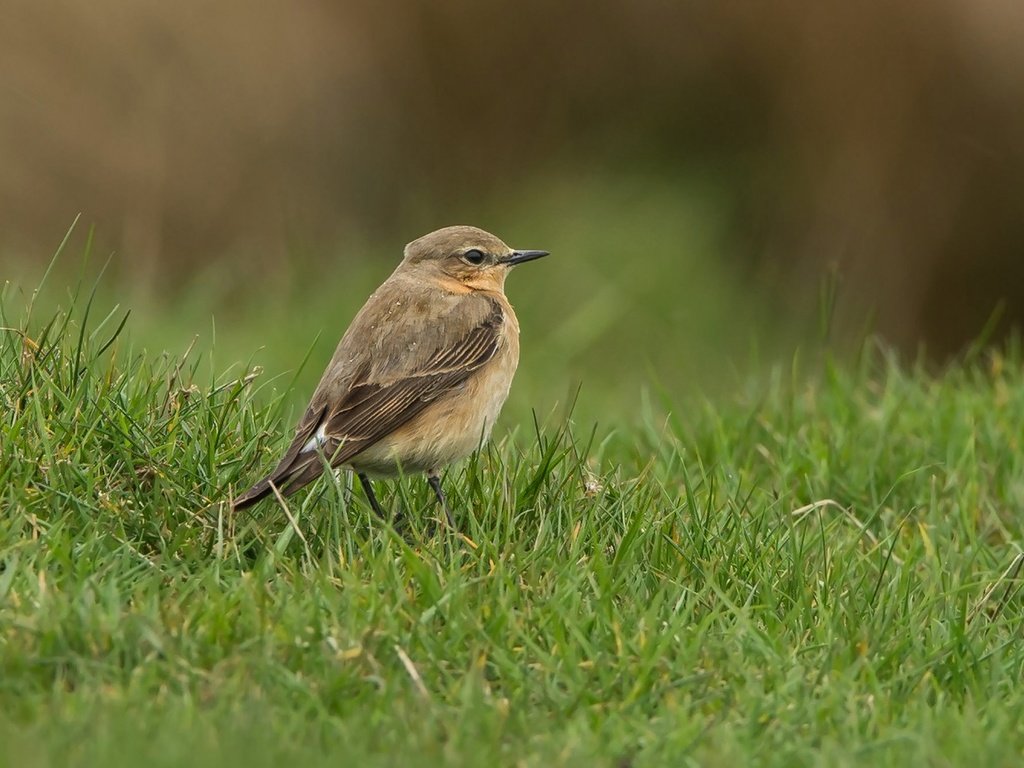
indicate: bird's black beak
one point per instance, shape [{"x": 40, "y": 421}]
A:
[{"x": 518, "y": 257}]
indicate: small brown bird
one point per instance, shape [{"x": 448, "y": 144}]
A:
[{"x": 420, "y": 376}]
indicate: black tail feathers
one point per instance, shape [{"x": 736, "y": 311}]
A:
[{"x": 287, "y": 479}]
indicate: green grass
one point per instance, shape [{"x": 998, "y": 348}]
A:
[{"x": 823, "y": 569}]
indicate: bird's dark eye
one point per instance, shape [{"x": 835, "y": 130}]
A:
[{"x": 474, "y": 256}]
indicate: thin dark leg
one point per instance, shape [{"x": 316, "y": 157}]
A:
[
  {"x": 435, "y": 483},
  {"x": 368, "y": 488}
]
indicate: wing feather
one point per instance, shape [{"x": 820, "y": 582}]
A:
[{"x": 369, "y": 415}]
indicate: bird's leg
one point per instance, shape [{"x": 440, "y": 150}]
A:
[
  {"x": 368, "y": 488},
  {"x": 435, "y": 483}
]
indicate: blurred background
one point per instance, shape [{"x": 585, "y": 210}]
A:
[{"x": 699, "y": 170}]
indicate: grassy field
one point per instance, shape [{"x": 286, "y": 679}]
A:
[{"x": 823, "y": 567}]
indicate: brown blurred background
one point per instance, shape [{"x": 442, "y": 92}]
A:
[{"x": 882, "y": 140}]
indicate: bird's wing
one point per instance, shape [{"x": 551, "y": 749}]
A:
[{"x": 341, "y": 425}]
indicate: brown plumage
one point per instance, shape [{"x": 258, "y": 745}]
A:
[{"x": 421, "y": 374}]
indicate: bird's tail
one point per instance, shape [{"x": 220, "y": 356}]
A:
[{"x": 290, "y": 475}]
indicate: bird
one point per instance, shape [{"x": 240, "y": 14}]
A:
[{"x": 420, "y": 376}]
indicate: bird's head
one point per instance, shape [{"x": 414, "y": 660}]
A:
[{"x": 466, "y": 257}]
